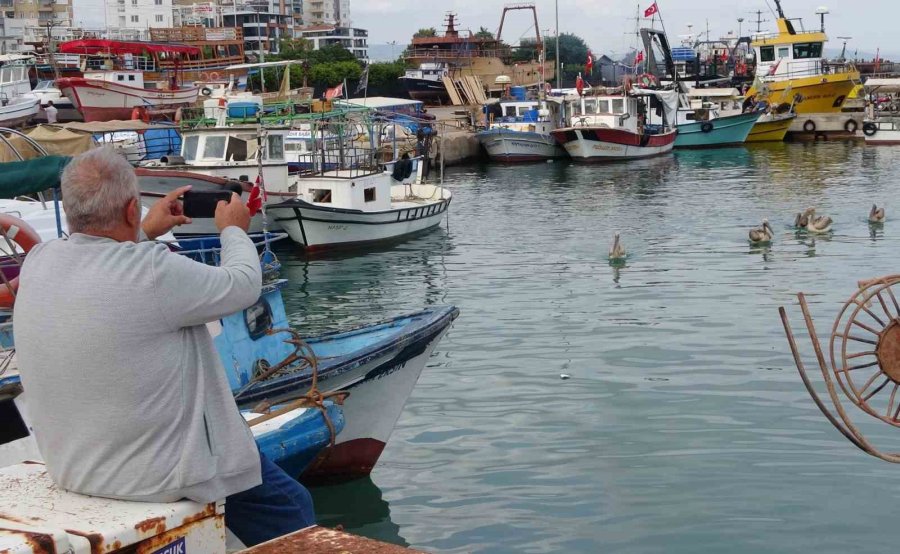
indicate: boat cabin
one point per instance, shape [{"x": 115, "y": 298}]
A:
[
  {"x": 706, "y": 104},
  {"x": 429, "y": 71},
  {"x": 366, "y": 192},
  {"x": 14, "y": 81},
  {"x": 790, "y": 54},
  {"x": 127, "y": 78},
  {"x": 613, "y": 112},
  {"x": 231, "y": 146}
]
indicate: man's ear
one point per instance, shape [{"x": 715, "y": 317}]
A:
[{"x": 133, "y": 213}]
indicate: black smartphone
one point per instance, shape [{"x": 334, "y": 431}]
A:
[{"x": 202, "y": 203}]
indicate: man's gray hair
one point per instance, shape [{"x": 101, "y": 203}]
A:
[{"x": 96, "y": 186}]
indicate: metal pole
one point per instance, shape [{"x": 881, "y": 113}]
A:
[{"x": 558, "y": 66}]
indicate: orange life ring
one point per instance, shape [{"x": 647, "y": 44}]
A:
[
  {"x": 213, "y": 75},
  {"x": 26, "y": 237},
  {"x": 140, "y": 112},
  {"x": 204, "y": 76}
]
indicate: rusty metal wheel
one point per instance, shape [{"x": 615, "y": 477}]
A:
[{"x": 865, "y": 349}]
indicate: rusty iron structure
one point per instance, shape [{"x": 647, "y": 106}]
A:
[{"x": 862, "y": 359}]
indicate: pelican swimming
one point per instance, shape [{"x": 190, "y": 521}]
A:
[
  {"x": 876, "y": 215},
  {"x": 762, "y": 234},
  {"x": 820, "y": 224},
  {"x": 802, "y": 219},
  {"x": 617, "y": 251}
]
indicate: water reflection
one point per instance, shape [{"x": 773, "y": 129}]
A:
[{"x": 358, "y": 505}]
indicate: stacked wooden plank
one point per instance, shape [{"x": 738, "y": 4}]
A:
[{"x": 467, "y": 90}]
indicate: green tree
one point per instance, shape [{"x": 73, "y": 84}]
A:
[
  {"x": 426, "y": 33},
  {"x": 332, "y": 53},
  {"x": 294, "y": 49},
  {"x": 484, "y": 34},
  {"x": 382, "y": 74},
  {"x": 572, "y": 49}
]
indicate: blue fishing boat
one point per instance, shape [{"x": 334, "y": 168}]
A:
[
  {"x": 712, "y": 117},
  {"x": 294, "y": 439}
]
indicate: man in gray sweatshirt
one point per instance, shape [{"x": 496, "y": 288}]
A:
[{"x": 125, "y": 391}]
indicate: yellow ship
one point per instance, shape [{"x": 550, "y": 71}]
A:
[{"x": 794, "y": 62}]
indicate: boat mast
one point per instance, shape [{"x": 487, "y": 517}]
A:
[
  {"x": 780, "y": 11},
  {"x": 558, "y": 66}
]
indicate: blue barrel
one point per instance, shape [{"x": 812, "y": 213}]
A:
[
  {"x": 242, "y": 109},
  {"x": 518, "y": 93}
]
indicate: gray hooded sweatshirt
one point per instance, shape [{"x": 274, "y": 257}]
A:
[{"x": 125, "y": 391}]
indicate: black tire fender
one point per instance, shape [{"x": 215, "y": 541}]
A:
[
  {"x": 869, "y": 129},
  {"x": 706, "y": 127},
  {"x": 809, "y": 126},
  {"x": 851, "y": 126}
]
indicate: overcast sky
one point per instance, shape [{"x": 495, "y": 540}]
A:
[{"x": 604, "y": 23}]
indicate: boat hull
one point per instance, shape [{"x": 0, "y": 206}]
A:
[
  {"x": 19, "y": 112},
  {"x": 842, "y": 125},
  {"x": 104, "y": 101},
  {"x": 508, "y": 146},
  {"x": 378, "y": 365},
  {"x": 594, "y": 145},
  {"x": 320, "y": 228},
  {"x": 722, "y": 131},
  {"x": 885, "y": 133},
  {"x": 425, "y": 90},
  {"x": 771, "y": 130},
  {"x": 815, "y": 95}
]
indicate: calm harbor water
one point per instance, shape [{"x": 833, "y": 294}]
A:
[{"x": 684, "y": 426}]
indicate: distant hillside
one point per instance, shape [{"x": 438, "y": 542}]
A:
[{"x": 385, "y": 52}]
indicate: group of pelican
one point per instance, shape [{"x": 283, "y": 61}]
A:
[
  {"x": 810, "y": 222},
  {"x": 806, "y": 220}
]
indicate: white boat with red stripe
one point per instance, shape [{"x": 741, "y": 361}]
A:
[
  {"x": 616, "y": 127},
  {"x": 112, "y": 95}
]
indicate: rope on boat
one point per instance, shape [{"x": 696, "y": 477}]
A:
[{"x": 313, "y": 398}]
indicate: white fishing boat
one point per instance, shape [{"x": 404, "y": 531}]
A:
[
  {"x": 17, "y": 106},
  {"x": 882, "y": 127},
  {"x": 617, "y": 127},
  {"x": 109, "y": 95},
  {"x": 352, "y": 207},
  {"x": 519, "y": 131}
]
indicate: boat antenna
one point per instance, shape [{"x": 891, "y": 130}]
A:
[
  {"x": 558, "y": 63},
  {"x": 778, "y": 7}
]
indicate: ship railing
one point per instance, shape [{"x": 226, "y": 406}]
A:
[
  {"x": 458, "y": 55},
  {"x": 348, "y": 162},
  {"x": 139, "y": 147},
  {"x": 208, "y": 249},
  {"x": 809, "y": 68}
]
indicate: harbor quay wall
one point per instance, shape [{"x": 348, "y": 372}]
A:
[{"x": 459, "y": 147}]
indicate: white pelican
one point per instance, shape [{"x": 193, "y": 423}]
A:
[
  {"x": 763, "y": 234},
  {"x": 876, "y": 215},
  {"x": 802, "y": 219}
]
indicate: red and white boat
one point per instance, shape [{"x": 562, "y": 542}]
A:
[
  {"x": 111, "y": 95},
  {"x": 616, "y": 127},
  {"x": 118, "y": 91}
]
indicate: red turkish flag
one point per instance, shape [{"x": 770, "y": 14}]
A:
[
  {"x": 652, "y": 10},
  {"x": 639, "y": 58},
  {"x": 255, "y": 201},
  {"x": 589, "y": 66}
]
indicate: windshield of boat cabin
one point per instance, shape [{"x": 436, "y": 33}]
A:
[
  {"x": 189, "y": 148},
  {"x": 275, "y": 147},
  {"x": 214, "y": 147}
]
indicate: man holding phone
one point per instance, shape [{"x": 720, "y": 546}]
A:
[{"x": 124, "y": 388}]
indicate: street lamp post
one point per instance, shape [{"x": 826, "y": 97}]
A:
[{"x": 558, "y": 65}]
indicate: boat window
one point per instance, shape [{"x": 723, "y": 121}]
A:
[
  {"x": 214, "y": 147},
  {"x": 618, "y": 105},
  {"x": 369, "y": 194},
  {"x": 807, "y": 50},
  {"x": 767, "y": 54},
  {"x": 590, "y": 106},
  {"x": 784, "y": 52},
  {"x": 120, "y": 77},
  {"x": 603, "y": 106},
  {"x": 233, "y": 50},
  {"x": 237, "y": 150},
  {"x": 131, "y": 77},
  {"x": 321, "y": 196},
  {"x": 258, "y": 319},
  {"x": 189, "y": 148},
  {"x": 275, "y": 150}
]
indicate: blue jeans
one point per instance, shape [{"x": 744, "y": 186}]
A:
[{"x": 280, "y": 505}]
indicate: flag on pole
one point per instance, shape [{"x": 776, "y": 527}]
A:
[
  {"x": 639, "y": 57},
  {"x": 363, "y": 81},
  {"x": 589, "y": 65},
  {"x": 255, "y": 200},
  {"x": 336, "y": 92},
  {"x": 652, "y": 10},
  {"x": 579, "y": 85}
]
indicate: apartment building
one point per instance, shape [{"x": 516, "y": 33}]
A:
[
  {"x": 326, "y": 12},
  {"x": 132, "y": 19},
  {"x": 353, "y": 39}
]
